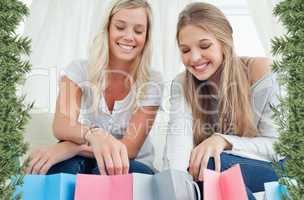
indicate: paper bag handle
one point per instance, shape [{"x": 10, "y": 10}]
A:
[{"x": 197, "y": 190}]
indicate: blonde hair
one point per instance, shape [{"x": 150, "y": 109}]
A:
[
  {"x": 98, "y": 60},
  {"x": 234, "y": 108}
]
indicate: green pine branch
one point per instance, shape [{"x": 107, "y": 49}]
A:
[
  {"x": 289, "y": 51},
  {"x": 14, "y": 114}
]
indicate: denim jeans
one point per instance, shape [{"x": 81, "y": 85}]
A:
[
  {"x": 83, "y": 165},
  {"x": 255, "y": 172}
]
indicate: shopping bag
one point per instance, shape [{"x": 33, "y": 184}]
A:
[
  {"x": 275, "y": 191},
  {"x": 166, "y": 185},
  {"x": 176, "y": 185},
  {"x": 33, "y": 187},
  {"x": 48, "y": 187},
  {"x": 144, "y": 187},
  {"x": 227, "y": 185},
  {"x": 60, "y": 186},
  {"x": 101, "y": 187}
]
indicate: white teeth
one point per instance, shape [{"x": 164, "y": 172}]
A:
[
  {"x": 126, "y": 47},
  {"x": 201, "y": 66}
]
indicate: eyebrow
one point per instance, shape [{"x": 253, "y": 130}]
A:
[
  {"x": 202, "y": 40},
  {"x": 124, "y": 22}
]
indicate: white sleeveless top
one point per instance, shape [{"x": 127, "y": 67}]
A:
[{"x": 116, "y": 122}]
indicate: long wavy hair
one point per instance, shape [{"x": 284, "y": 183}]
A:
[
  {"x": 234, "y": 113},
  {"x": 98, "y": 61}
]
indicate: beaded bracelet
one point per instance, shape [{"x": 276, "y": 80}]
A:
[
  {"x": 88, "y": 132},
  {"x": 84, "y": 135}
]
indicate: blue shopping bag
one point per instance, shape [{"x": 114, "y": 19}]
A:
[
  {"x": 48, "y": 187},
  {"x": 275, "y": 191}
]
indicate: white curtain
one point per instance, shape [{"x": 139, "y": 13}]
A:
[
  {"x": 60, "y": 29},
  {"x": 267, "y": 25}
]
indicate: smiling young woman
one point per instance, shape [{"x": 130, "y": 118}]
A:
[
  {"x": 107, "y": 104},
  {"x": 221, "y": 105}
]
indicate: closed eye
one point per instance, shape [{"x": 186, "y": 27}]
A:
[
  {"x": 205, "y": 46},
  {"x": 120, "y": 28},
  {"x": 139, "y": 32},
  {"x": 184, "y": 51}
]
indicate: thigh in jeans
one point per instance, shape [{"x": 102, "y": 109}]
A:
[
  {"x": 255, "y": 172},
  {"x": 138, "y": 167},
  {"x": 75, "y": 165}
]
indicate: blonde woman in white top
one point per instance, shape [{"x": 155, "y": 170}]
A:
[
  {"x": 221, "y": 105},
  {"x": 107, "y": 104}
]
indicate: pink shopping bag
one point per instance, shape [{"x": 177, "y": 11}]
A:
[
  {"x": 228, "y": 185},
  {"x": 99, "y": 187}
]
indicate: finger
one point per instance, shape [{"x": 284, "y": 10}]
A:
[
  {"x": 101, "y": 164},
  {"x": 117, "y": 162},
  {"x": 37, "y": 167},
  {"x": 109, "y": 163},
  {"x": 217, "y": 162},
  {"x": 124, "y": 160},
  {"x": 204, "y": 164},
  {"x": 34, "y": 158},
  {"x": 45, "y": 168},
  {"x": 197, "y": 164},
  {"x": 191, "y": 162}
]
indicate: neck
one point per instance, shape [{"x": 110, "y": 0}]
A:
[
  {"x": 120, "y": 70},
  {"x": 119, "y": 65}
]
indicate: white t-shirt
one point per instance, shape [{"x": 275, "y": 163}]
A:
[{"x": 116, "y": 122}]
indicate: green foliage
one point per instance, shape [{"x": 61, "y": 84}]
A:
[
  {"x": 289, "y": 50},
  {"x": 14, "y": 114}
]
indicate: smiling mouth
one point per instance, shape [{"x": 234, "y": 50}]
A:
[
  {"x": 127, "y": 48},
  {"x": 201, "y": 66}
]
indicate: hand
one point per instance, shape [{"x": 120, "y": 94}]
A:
[
  {"x": 42, "y": 159},
  {"x": 200, "y": 155},
  {"x": 111, "y": 154}
]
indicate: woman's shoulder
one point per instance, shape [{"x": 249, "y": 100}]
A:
[
  {"x": 76, "y": 71},
  {"x": 263, "y": 80},
  {"x": 258, "y": 68}
]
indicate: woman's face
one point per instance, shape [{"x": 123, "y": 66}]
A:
[
  {"x": 127, "y": 34},
  {"x": 201, "y": 52}
]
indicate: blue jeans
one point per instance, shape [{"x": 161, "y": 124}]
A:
[
  {"x": 83, "y": 165},
  {"x": 255, "y": 172}
]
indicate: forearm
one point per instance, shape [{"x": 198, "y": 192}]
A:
[
  {"x": 86, "y": 151},
  {"x": 69, "y": 130},
  {"x": 133, "y": 142},
  {"x": 262, "y": 146},
  {"x": 135, "y": 137}
]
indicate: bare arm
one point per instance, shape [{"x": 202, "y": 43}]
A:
[
  {"x": 65, "y": 125},
  {"x": 139, "y": 127}
]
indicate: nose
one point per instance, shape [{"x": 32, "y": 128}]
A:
[
  {"x": 195, "y": 56},
  {"x": 129, "y": 35}
]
